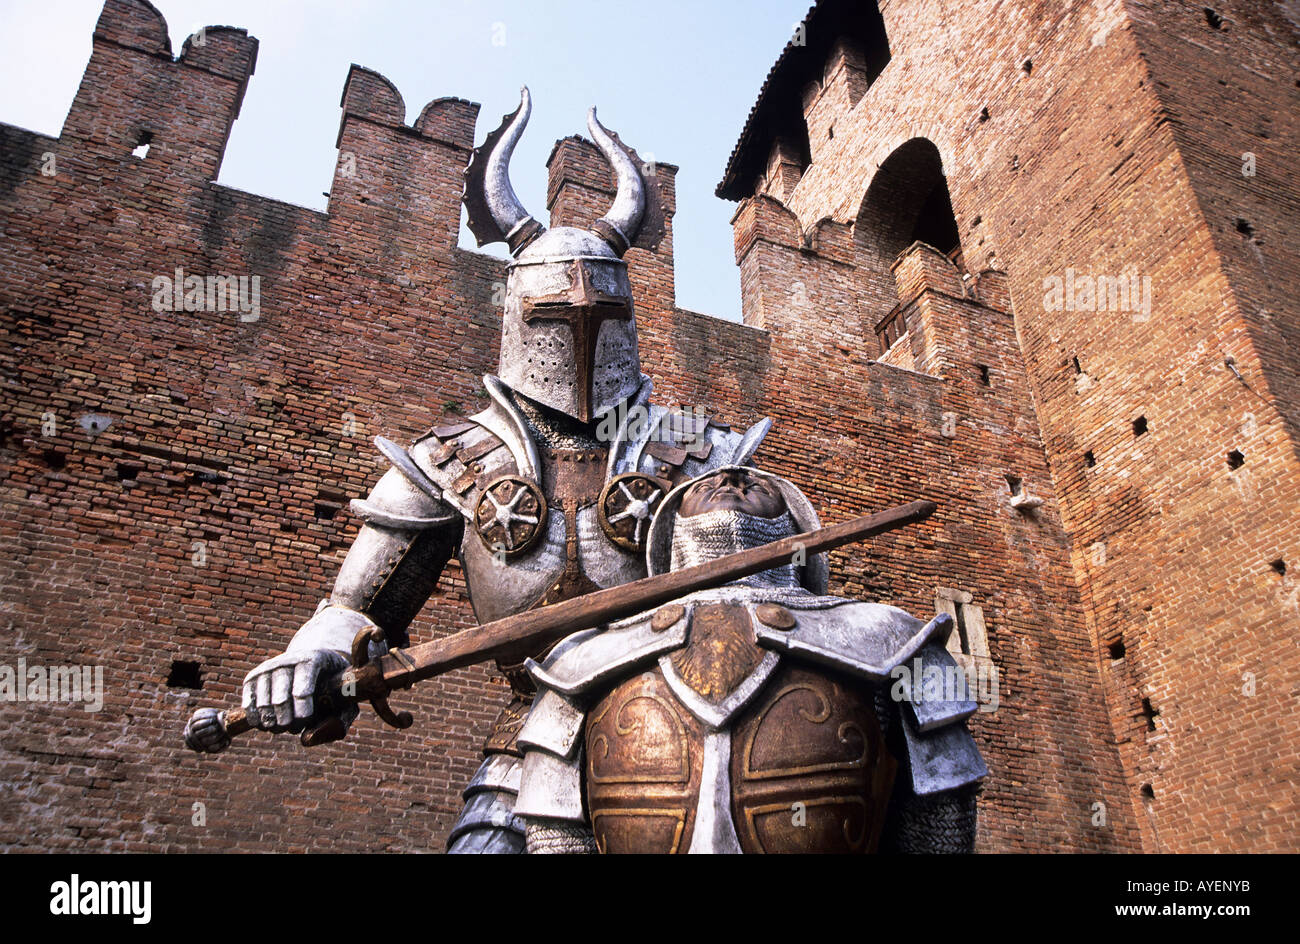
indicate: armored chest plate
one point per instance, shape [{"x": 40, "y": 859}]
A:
[{"x": 808, "y": 770}]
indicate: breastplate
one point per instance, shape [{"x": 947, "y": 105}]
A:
[
  {"x": 572, "y": 557},
  {"x": 800, "y": 766}
]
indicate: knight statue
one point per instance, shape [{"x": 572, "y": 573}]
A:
[
  {"x": 545, "y": 495},
  {"x": 760, "y": 716}
]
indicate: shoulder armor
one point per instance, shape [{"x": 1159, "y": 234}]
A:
[
  {"x": 404, "y": 499},
  {"x": 598, "y": 655},
  {"x": 677, "y": 444},
  {"x": 554, "y": 724},
  {"x": 397, "y": 503},
  {"x": 460, "y": 459},
  {"x": 934, "y": 687},
  {"x": 551, "y": 739},
  {"x": 865, "y": 639},
  {"x": 488, "y": 822},
  {"x": 499, "y": 772},
  {"x": 551, "y": 787},
  {"x": 943, "y": 759}
]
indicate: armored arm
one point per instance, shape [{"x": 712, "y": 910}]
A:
[
  {"x": 394, "y": 563},
  {"x": 392, "y": 567},
  {"x": 388, "y": 574},
  {"x": 933, "y": 807}
]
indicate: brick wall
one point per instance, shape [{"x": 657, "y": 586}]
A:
[{"x": 1108, "y": 139}]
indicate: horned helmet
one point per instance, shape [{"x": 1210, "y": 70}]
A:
[{"x": 568, "y": 334}]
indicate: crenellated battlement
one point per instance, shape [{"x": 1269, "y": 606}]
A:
[{"x": 407, "y": 177}]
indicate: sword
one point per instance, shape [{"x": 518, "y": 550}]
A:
[{"x": 533, "y": 630}]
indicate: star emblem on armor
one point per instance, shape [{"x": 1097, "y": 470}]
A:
[
  {"x": 511, "y": 515},
  {"x": 627, "y": 503}
]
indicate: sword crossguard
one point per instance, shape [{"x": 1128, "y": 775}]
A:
[{"x": 360, "y": 657}]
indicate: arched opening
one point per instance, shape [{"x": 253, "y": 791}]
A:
[{"x": 907, "y": 202}]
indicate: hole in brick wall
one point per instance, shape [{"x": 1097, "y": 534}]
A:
[
  {"x": 984, "y": 112},
  {"x": 1279, "y": 567},
  {"x": 1014, "y": 483},
  {"x": 1150, "y": 714},
  {"x": 1028, "y": 66},
  {"x": 1140, "y": 426},
  {"x": 127, "y": 473},
  {"x": 1078, "y": 369},
  {"x": 1089, "y": 459},
  {"x": 206, "y": 477},
  {"x": 1244, "y": 227},
  {"x": 54, "y": 459},
  {"x": 1014, "y": 163},
  {"x": 185, "y": 674},
  {"x": 142, "y": 142},
  {"x": 830, "y": 133},
  {"x": 1148, "y": 792},
  {"x": 1116, "y": 649},
  {"x": 935, "y": 222},
  {"x": 326, "y": 511},
  {"x": 977, "y": 221},
  {"x": 1213, "y": 19},
  {"x": 1236, "y": 460},
  {"x": 984, "y": 374}
]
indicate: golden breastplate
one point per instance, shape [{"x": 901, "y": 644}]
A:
[{"x": 806, "y": 768}]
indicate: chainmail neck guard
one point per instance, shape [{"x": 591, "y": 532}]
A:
[
  {"x": 714, "y": 534},
  {"x": 555, "y": 430}
]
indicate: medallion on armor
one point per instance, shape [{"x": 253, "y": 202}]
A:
[
  {"x": 627, "y": 504},
  {"x": 511, "y": 515}
]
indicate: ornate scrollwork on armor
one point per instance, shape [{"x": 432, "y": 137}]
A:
[
  {"x": 627, "y": 504},
  {"x": 810, "y": 772},
  {"x": 643, "y": 768},
  {"x": 511, "y": 515}
]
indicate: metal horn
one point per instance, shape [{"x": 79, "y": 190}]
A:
[
  {"x": 495, "y": 213},
  {"x": 619, "y": 226}
]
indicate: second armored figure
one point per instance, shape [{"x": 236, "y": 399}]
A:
[{"x": 761, "y": 716}]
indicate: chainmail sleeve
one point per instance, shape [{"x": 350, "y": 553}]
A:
[
  {"x": 942, "y": 823},
  {"x": 557, "y": 837}
]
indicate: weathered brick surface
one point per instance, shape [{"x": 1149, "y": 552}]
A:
[
  {"x": 250, "y": 436},
  {"x": 1095, "y": 137}
]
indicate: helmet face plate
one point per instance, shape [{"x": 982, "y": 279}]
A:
[{"x": 569, "y": 331}]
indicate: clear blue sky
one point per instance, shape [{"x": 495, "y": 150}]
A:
[{"x": 675, "y": 79}]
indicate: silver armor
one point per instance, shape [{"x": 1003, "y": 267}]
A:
[{"x": 546, "y": 494}]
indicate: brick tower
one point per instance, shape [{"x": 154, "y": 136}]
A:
[{"x": 1087, "y": 211}]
